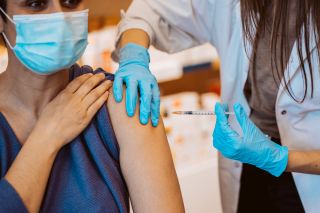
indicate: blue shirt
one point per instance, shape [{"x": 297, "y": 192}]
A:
[{"x": 86, "y": 175}]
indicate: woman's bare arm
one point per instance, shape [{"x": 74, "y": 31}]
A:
[
  {"x": 135, "y": 36},
  {"x": 30, "y": 171},
  {"x": 146, "y": 163},
  {"x": 304, "y": 162}
]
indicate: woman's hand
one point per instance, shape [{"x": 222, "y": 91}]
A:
[
  {"x": 70, "y": 112},
  {"x": 60, "y": 122},
  {"x": 254, "y": 147}
]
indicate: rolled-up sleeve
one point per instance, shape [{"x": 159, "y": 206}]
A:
[
  {"x": 172, "y": 25},
  {"x": 10, "y": 201}
]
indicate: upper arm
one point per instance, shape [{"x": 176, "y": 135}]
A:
[{"x": 146, "y": 162}]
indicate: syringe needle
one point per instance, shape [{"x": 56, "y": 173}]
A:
[{"x": 199, "y": 113}]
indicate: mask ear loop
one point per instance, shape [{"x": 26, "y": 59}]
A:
[{"x": 4, "y": 35}]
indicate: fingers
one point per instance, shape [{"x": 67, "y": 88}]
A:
[
  {"x": 241, "y": 116},
  {"x": 96, "y": 93},
  {"x": 225, "y": 139},
  {"x": 220, "y": 113},
  {"x": 94, "y": 108},
  {"x": 74, "y": 85},
  {"x": 225, "y": 108},
  {"x": 155, "y": 105},
  {"x": 131, "y": 97},
  {"x": 222, "y": 124},
  {"x": 145, "y": 104},
  {"x": 117, "y": 89},
  {"x": 90, "y": 84}
]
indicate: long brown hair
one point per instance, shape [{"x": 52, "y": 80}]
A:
[
  {"x": 254, "y": 16},
  {"x": 3, "y": 5}
]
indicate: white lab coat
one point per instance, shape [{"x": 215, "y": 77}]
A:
[{"x": 174, "y": 25}]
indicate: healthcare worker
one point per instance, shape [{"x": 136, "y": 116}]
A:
[{"x": 269, "y": 65}]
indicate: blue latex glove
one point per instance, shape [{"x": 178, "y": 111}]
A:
[
  {"x": 253, "y": 147},
  {"x": 135, "y": 74}
]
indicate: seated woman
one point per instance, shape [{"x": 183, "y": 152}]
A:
[{"x": 61, "y": 148}]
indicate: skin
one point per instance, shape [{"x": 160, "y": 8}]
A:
[
  {"x": 307, "y": 162},
  {"x": 47, "y": 112},
  {"x": 299, "y": 161},
  {"x": 135, "y": 36},
  {"x": 146, "y": 163}
]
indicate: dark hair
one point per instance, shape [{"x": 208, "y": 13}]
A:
[
  {"x": 254, "y": 16},
  {"x": 3, "y": 5}
]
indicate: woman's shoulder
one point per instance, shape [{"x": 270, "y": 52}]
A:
[
  {"x": 77, "y": 70},
  {"x": 100, "y": 127}
]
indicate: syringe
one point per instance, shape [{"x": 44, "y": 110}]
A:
[{"x": 199, "y": 113}]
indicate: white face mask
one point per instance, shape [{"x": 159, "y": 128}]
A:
[{"x": 47, "y": 43}]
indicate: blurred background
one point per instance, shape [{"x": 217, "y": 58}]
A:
[{"x": 188, "y": 81}]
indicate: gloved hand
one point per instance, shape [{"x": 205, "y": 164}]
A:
[
  {"x": 253, "y": 147},
  {"x": 134, "y": 72}
]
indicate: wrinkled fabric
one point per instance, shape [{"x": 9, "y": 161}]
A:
[
  {"x": 86, "y": 175},
  {"x": 10, "y": 200}
]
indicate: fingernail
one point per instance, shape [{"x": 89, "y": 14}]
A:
[
  {"x": 155, "y": 122},
  {"x": 117, "y": 97},
  {"x": 130, "y": 113},
  {"x": 144, "y": 120},
  {"x": 241, "y": 110},
  {"x": 108, "y": 84}
]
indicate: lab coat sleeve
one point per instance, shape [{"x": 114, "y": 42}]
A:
[
  {"x": 172, "y": 25},
  {"x": 10, "y": 201}
]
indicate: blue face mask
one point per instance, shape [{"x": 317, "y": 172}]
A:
[{"x": 47, "y": 43}]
